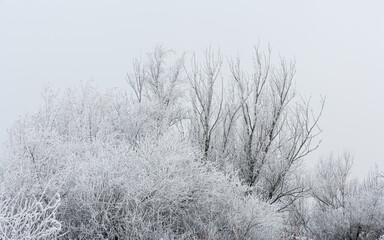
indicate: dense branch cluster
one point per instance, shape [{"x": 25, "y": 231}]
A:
[{"x": 196, "y": 148}]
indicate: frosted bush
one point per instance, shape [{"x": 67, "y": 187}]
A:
[
  {"x": 23, "y": 217},
  {"x": 120, "y": 172}
]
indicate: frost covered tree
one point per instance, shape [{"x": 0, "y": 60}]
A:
[{"x": 158, "y": 81}]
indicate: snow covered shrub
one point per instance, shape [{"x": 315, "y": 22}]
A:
[
  {"x": 23, "y": 217},
  {"x": 120, "y": 171},
  {"x": 161, "y": 190},
  {"x": 255, "y": 219}
]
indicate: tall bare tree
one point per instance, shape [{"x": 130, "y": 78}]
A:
[
  {"x": 276, "y": 131},
  {"x": 206, "y": 106}
]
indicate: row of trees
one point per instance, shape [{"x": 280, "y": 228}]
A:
[{"x": 197, "y": 147}]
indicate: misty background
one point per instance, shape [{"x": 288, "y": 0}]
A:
[{"x": 338, "y": 47}]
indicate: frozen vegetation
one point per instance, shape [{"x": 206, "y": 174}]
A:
[{"x": 196, "y": 147}]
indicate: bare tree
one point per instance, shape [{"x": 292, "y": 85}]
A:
[
  {"x": 137, "y": 79},
  {"x": 276, "y": 130},
  {"x": 202, "y": 78}
]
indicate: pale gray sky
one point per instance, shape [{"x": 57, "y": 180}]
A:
[{"x": 338, "y": 46}]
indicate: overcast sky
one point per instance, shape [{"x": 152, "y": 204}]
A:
[{"x": 338, "y": 46}]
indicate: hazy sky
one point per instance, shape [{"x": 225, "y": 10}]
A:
[{"x": 338, "y": 46}]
